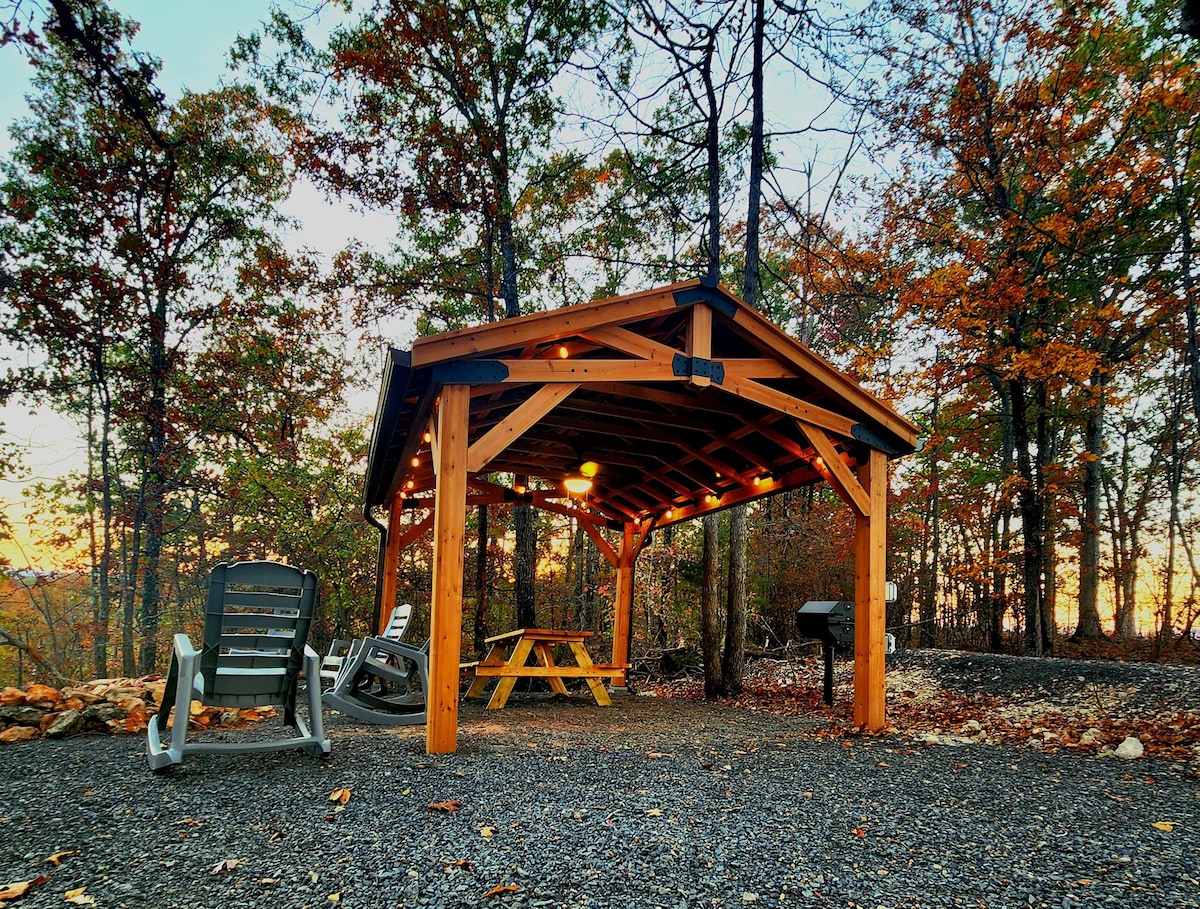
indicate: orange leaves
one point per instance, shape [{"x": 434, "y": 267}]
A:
[
  {"x": 20, "y": 888},
  {"x": 77, "y": 896},
  {"x": 341, "y": 794},
  {"x": 501, "y": 888},
  {"x": 449, "y": 807}
]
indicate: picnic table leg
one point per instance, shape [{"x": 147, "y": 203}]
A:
[
  {"x": 584, "y": 659},
  {"x": 542, "y": 649},
  {"x": 496, "y": 655},
  {"x": 505, "y": 686}
]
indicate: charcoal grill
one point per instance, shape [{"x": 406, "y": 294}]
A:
[{"x": 832, "y": 623}]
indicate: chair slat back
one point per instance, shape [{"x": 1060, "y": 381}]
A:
[
  {"x": 256, "y": 622},
  {"x": 398, "y": 622}
]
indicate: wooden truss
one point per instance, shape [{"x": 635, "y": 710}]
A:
[{"x": 687, "y": 399}]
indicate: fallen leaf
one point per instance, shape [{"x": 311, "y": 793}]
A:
[
  {"x": 20, "y": 888},
  {"x": 334, "y": 897},
  {"x": 653, "y": 812},
  {"x": 79, "y": 898},
  {"x": 1164, "y": 825},
  {"x": 340, "y": 795},
  {"x": 226, "y": 866},
  {"x": 59, "y": 856},
  {"x": 487, "y": 832},
  {"x": 461, "y": 865},
  {"x": 71, "y": 894},
  {"x": 449, "y": 807},
  {"x": 500, "y": 888},
  {"x": 858, "y": 831}
]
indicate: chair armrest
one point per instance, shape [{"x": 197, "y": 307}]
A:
[
  {"x": 183, "y": 647},
  {"x": 395, "y": 648}
]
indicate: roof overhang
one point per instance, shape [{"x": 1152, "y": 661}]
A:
[{"x": 688, "y": 399}]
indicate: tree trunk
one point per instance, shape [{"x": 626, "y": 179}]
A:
[
  {"x": 132, "y": 571},
  {"x": 734, "y": 659},
  {"x": 1089, "y": 548},
  {"x": 1032, "y": 520},
  {"x": 1183, "y": 212},
  {"x": 1000, "y": 559},
  {"x": 1174, "y": 486},
  {"x": 710, "y": 618},
  {"x": 751, "y": 279},
  {"x": 155, "y": 472},
  {"x": 1049, "y": 525},
  {"x": 927, "y": 605},
  {"x": 524, "y": 565},
  {"x": 482, "y": 585},
  {"x": 591, "y": 573},
  {"x": 999, "y": 580}
]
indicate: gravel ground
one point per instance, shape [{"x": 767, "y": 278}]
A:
[
  {"x": 1132, "y": 688},
  {"x": 653, "y": 802}
]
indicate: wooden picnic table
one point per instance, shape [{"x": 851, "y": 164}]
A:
[{"x": 508, "y": 660}]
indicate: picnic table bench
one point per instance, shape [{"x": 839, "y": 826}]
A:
[{"x": 508, "y": 660}]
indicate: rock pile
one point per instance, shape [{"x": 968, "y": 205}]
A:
[{"x": 110, "y": 706}]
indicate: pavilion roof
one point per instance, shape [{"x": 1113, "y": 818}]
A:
[{"x": 688, "y": 400}]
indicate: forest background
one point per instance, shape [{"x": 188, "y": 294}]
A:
[{"x": 982, "y": 211}]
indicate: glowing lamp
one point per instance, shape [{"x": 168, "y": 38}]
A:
[{"x": 580, "y": 481}]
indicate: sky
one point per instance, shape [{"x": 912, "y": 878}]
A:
[{"x": 192, "y": 38}]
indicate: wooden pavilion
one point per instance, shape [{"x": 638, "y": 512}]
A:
[{"x": 681, "y": 400}]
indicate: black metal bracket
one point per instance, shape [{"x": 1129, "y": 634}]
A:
[
  {"x": 708, "y": 292},
  {"x": 712, "y": 370},
  {"x": 873, "y": 439},
  {"x": 470, "y": 372}
]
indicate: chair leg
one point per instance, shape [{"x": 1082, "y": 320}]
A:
[
  {"x": 177, "y": 694},
  {"x": 320, "y": 745}
]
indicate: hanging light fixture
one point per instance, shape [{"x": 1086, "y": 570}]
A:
[{"x": 579, "y": 481}]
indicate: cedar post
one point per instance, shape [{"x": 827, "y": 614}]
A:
[
  {"x": 699, "y": 339},
  {"x": 449, "y": 518},
  {"x": 870, "y": 608},
  {"x": 391, "y": 563},
  {"x": 623, "y": 604}
]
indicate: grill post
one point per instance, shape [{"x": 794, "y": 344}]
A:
[{"x": 827, "y": 652}]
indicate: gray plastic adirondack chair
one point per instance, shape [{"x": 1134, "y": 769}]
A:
[
  {"x": 383, "y": 680},
  {"x": 341, "y": 648},
  {"x": 256, "y": 623}
]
